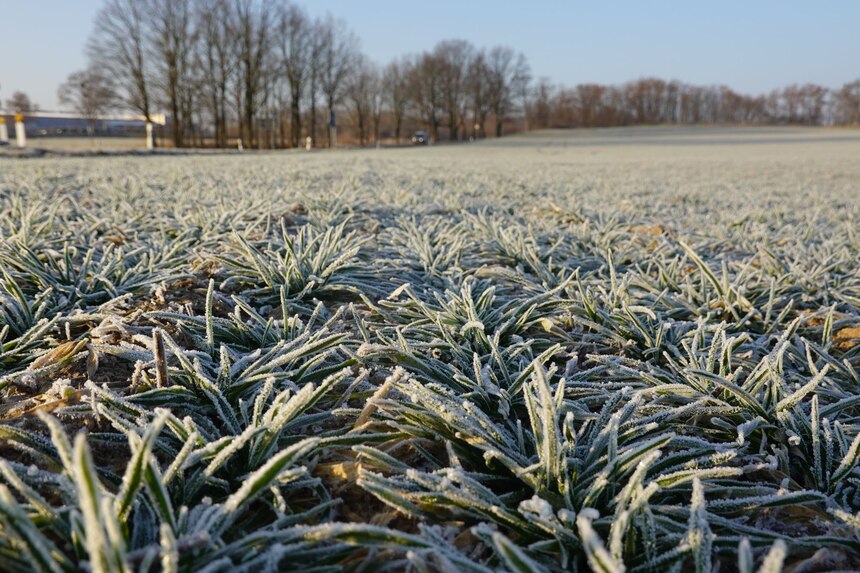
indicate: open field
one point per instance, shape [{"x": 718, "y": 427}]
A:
[
  {"x": 87, "y": 144},
  {"x": 602, "y": 350}
]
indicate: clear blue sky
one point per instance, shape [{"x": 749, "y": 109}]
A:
[{"x": 751, "y": 45}]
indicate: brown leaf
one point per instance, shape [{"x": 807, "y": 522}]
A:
[
  {"x": 847, "y": 338},
  {"x": 92, "y": 362},
  {"x": 160, "y": 359},
  {"x": 59, "y": 355},
  {"x": 649, "y": 230},
  {"x": 338, "y": 472}
]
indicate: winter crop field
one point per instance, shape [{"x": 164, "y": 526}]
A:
[{"x": 621, "y": 350}]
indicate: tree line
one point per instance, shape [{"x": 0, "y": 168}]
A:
[
  {"x": 272, "y": 74},
  {"x": 268, "y": 72},
  {"x": 649, "y": 101}
]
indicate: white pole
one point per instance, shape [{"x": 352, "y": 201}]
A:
[
  {"x": 20, "y": 134},
  {"x": 4, "y": 131},
  {"x": 150, "y": 139}
]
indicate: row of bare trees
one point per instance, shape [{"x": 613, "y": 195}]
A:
[
  {"x": 455, "y": 88},
  {"x": 649, "y": 101},
  {"x": 268, "y": 72},
  {"x": 847, "y": 104},
  {"x": 460, "y": 87},
  {"x": 210, "y": 63}
]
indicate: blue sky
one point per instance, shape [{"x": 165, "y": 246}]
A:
[{"x": 752, "y": 45}]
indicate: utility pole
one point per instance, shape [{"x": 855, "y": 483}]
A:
[{"x": 150, "y": 140}]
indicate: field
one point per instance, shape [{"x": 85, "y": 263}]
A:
[
  {"x": 79, "y": 145},
  {"x": 619, "y": 350}
]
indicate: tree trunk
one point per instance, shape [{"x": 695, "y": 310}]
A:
[
  {"x": 328, "y": 122},
  {"x": 398, "y": 124},
  {"x": 313, "y": 112},
  {"x": 295, "y": 119},
  {"x": 177, "y": 121},
  {"x": 249, "y": 122},
  {"x": 312, "y": 120},
  {"x": 223, "y": 112}
]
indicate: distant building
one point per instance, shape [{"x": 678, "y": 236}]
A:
[{"x": 58, "y": 124}]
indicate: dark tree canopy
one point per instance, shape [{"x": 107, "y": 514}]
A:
[
  {"x": 20, "y": 103},
  {"x": 90, "y": 92}
]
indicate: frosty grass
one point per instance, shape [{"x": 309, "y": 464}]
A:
[{"x": 539, "y": 355}]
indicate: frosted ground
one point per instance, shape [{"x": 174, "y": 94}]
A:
[{"x": 595, "y": 350}]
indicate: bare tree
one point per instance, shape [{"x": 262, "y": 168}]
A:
[
  {"x": 395, "y": 89},
  {"x": 653, "y": 100},
  {"x": 589, "y": 103},
  {"x": 509, "y": 76},
  {"x": 792, "y": 101},
  {"x": 814, "y": 102},
  {"x": 541, "y": 104},
  {"x": 848, "y": 103},
  {"x": 294, "y": 46},
  {"x": 253, "y": 21},
  {"x": 281, "y": 102},
  {"x": 337, "y": 56},
  {"x": 361, "y": 91},
  {"x": 452, "y": 61},
  {"x": 117, "y": 45},
  {"x": 89, "y": 92},
  {"x": 20, "y": 103},
  {"x": 172, "y": 39},
  {"x": 426, "y": 92},
  {"x": 317, "y": 46},
  {"x": 479, "y": 93},
  {"x": 217, "y": 60}
]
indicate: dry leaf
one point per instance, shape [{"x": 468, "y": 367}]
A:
[
  {"x": 847, "y": 338},
  {"x": 59, "y": 355}
]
